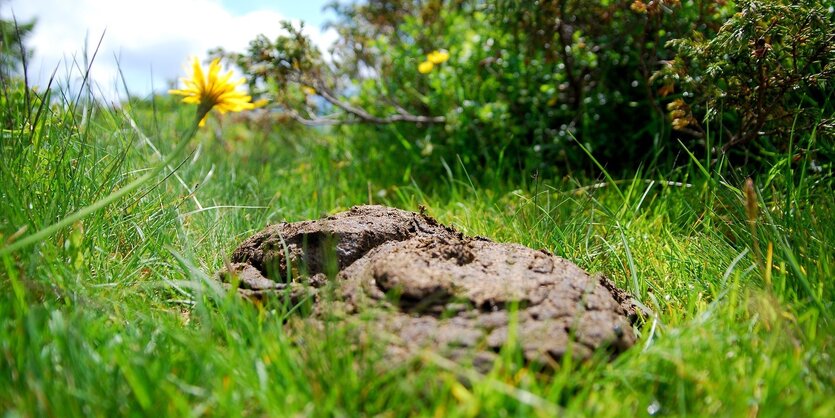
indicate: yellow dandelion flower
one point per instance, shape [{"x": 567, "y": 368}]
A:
[
  {"x": 213, "y": 91},
  {"x": 425, "y": 67},
  {"x": 437, "y": 57}
]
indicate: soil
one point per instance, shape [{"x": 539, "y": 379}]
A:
[{"x": 424, "y": 285}]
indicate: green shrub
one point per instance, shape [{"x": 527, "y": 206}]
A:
[
  {"x": 527, "y": 83},
  {"x": 13, "y": 35},
  {"x": 766, "y": 74}
]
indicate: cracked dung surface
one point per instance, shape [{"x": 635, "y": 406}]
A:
[{"x": 424, "y": 285}]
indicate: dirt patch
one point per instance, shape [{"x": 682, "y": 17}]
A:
[{"x": 424, "y": 285}]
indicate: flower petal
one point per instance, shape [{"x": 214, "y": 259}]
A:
[
  {"x": 438, "y": 57},
  {"x": 213, "y": 90}
]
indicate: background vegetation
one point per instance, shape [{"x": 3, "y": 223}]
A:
[
  {"x": 532, "y": 86},
  {"x": 616, "y": 134}
]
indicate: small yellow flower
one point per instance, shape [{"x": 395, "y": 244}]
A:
[
  {"x": 212, "y": 90},
  {"x": 638, "y": 7},
  {"x": 425, "y": 67},
  {"x": 437, "y": 57}
]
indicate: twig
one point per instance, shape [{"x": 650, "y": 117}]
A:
[{"x": 366, "y": 117}]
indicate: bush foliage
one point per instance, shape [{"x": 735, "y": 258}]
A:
[
  {"x": 12, "y": 37},
  {"x": 537, "y": 85},
  {"x": 768, "y": 71}
]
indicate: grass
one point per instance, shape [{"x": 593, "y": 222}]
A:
[{"x": 118, "y": 313}]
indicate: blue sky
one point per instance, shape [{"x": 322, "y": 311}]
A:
[
  {"x": 149, "y": 41},
  {"x": 309, "y": 11}
]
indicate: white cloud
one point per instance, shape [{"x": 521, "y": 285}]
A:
[{"x": 150, "y": 37}]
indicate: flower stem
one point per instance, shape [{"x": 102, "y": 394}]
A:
[{"x": 100, "y": 204}]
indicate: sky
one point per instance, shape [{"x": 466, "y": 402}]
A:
[{"x": 149, "y": 40}]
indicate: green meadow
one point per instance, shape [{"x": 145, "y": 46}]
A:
[{"x": 119, "y": 313}]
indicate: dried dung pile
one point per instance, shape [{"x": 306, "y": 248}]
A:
[{"x": 421, "y": 285}]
